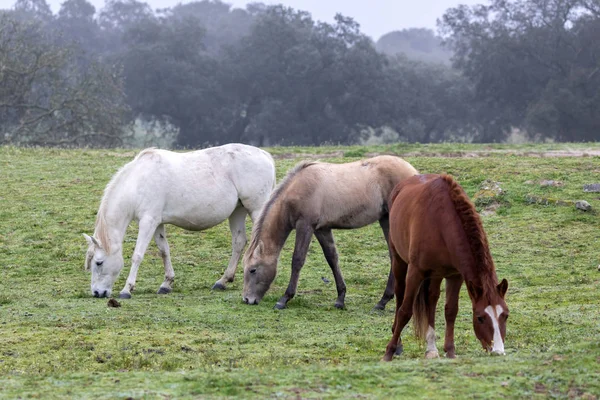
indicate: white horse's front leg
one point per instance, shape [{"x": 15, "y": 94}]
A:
[
  {"x": 237, "y": 226},
  {"x": 147, "y": 227},
  {"x": 160, "y": 237}
]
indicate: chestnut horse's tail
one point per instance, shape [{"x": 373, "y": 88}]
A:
[{"x": 421, "y": 310}]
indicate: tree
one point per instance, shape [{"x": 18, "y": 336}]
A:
[
  {"x": 532, "y": 63},
  {"x": 171, "y": 77},
  {"x": 427, "y": 102},
  {"x": 46, "y": 100},
  {"x": 33, "y": 9},
  {"x": 292, "y": 81},
  {"x": 76, "y": 24},
  {"x": 416, "y": 43}
]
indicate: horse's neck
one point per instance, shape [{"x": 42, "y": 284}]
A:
[
  {"x": 463, "y": 258},
  {"x": 112, "y": 223},
  {"x": 275, "y": 230}
]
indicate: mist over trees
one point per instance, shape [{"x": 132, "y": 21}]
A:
[{"x": 203, "y": 73}]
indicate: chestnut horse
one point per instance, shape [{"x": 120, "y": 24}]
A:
[
  {"x": 436, "y": 233},
  {"x": 315, "y": 198}
]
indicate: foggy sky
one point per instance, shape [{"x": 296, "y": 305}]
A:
[{"x": 376, "y": 17}]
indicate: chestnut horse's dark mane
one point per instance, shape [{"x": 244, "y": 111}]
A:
[
  {"x": 257, "y": 228},
  {"x": 473, "y": 228}
]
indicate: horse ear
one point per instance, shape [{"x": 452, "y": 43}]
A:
[
  {"x": 474, "y": 291},
  {"x": 92, "y": 241},
  {"x": 502, "y": 287}
]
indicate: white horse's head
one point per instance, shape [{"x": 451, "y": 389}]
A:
[{"x": 105, "y": 266}]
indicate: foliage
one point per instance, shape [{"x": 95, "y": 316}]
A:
[
  {"x": 56, "y": 341},
  {"x": 534, "y": 64},
  {"x": 47, "y": 99},
  {"x": 415, "y": 43},
  {"x": 271, "y": 75}
]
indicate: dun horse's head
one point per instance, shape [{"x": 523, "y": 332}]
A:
[
  {"x": 490, "y": 313},
  {"x": 259, "y": 272},
  {"x": 105, "y": 267}
]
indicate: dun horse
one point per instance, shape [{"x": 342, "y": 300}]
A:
[
  {"x": 436, "y": 233},
  {"x": 315, "y": 198},
  {"x": 194, "y": 190}
]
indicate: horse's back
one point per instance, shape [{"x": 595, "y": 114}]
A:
[
  {"x": 421, "y": 210},
  {"x": 198, "y": 189},
  {"x": 242, "y": 165},
  {"x": 348, "y": 195}
]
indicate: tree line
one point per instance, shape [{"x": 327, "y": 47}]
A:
[{"x": 204, "y": 73}]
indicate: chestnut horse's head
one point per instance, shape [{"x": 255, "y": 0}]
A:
[
  {"x": 260, "y": 270},
  {"x": 490, "y": 313}
]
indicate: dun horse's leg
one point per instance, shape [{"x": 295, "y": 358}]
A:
[
  {"x": 414, "y": 277},
  {"x": 303, "y": 235},
  {"x": 434, "y": 295},
  {"x": 453, "y": 285},
  {"x": 325, "y": 238},
  {"x": 388, "y": 294},
  {"x": 147, "y": 227},
  {"x": 160, "y": 238},
  {"x": 237, "y": 226}
]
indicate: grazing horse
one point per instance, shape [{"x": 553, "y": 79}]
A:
[
  {"x": 194, "y": 190},
  {"x": 315, "y": 198},
  {"x": 436, "y": 233}
]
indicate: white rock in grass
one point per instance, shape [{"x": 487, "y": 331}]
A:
[{"x": 583, "y": 205}]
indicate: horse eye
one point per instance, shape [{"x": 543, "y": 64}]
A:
[
  {"x": 253, "y": 270},
  {"x": 99, "y": 263},
  {"x": 480, "y": 320}
]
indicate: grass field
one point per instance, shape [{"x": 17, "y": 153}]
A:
[{"x": 56, "y": 341}]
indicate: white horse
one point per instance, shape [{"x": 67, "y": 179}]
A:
[{"x": 195, "y": 191}]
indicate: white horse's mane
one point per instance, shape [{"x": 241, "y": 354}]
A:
[{"x": 101, "y": 228}]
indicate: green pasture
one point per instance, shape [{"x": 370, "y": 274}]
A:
[{"x": 56, "y": 341}]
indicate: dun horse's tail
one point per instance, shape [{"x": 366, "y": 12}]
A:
[{"x": 421, "y": 310}]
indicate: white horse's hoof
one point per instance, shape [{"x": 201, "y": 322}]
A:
[
  {"x": 432, "y": 354},
  {"x": 124, "y": 295},
  {"x": 164, "y": 290}
]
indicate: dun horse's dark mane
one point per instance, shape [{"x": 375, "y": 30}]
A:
[
  {"x": 473, "y": 228},
  {"x": 257, "y": 228}
]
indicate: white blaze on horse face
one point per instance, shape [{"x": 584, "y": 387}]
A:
[{"x": 498, "y": 347}]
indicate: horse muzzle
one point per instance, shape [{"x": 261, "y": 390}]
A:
[
  {"x": 251, "y": 300},
  {"x": 101, "y": 293}
]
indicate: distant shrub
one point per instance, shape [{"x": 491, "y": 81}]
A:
[{"x": 151, "y": 133}]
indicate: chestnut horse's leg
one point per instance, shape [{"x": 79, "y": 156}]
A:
[
  {"x": 303, "y": 234},
  {"x": 434, "y": 295},
  {"x": 398, "y": 269},
  {"x": 388, "y": 294},
  {"x": 453, "y": 285},
  {"x": 414, "y": 277},
  {"x": 160, "y": 237},
  {"x": 325, "y": 238}
]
